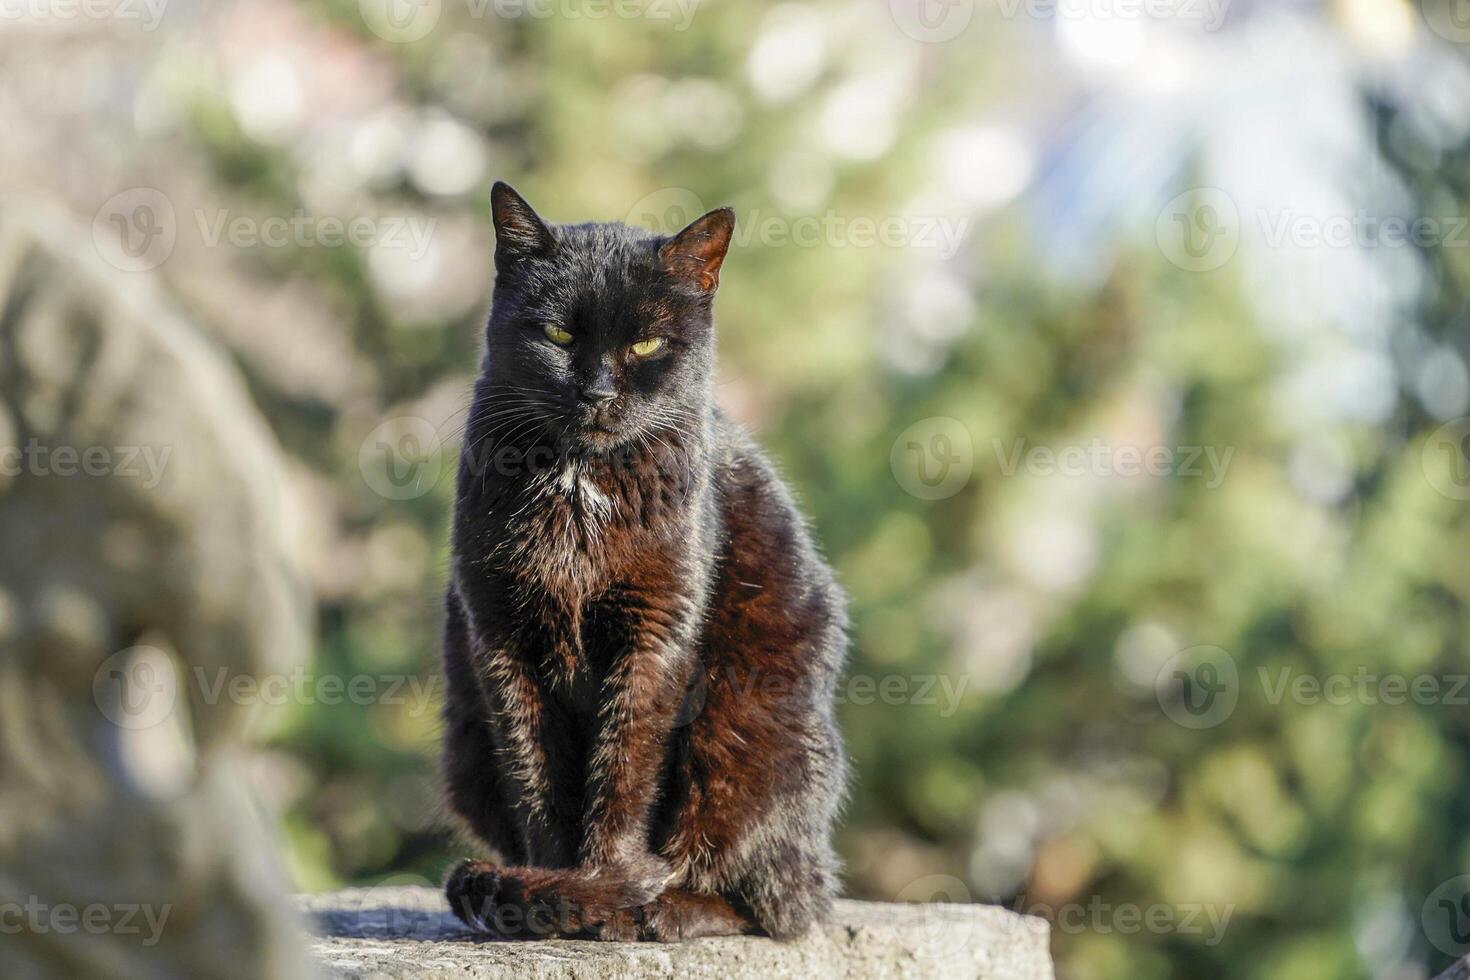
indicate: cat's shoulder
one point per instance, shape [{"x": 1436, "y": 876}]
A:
[{"x": 743, "y": 472}]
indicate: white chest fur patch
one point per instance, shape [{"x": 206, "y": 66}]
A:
[
  {"x": 574, "y": 483},
  {"x": 555, "y": 537}
]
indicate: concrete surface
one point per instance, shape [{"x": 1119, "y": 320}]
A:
[{"x": 409, "y": 932}]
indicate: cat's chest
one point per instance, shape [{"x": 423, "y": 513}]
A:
[
  {"x": 569, "y": 553},
  {"x": 568, "y": 564},
  {"x": 533, "y": 552},
  {"x": 563, "y": 533}
]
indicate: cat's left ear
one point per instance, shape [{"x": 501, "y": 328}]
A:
[
  {"x": 695, "y": 254},
  {"x": 519, "y": 230}
]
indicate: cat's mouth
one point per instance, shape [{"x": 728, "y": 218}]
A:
[
  {"x": 598, "y": 432},
  {"x": 599, "y": 421},
  {"x": 602, "y": 428}
]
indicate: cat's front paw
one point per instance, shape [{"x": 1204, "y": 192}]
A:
[
  {"x": 473, "y": 890},
  {"x": 637, "y": 879}
]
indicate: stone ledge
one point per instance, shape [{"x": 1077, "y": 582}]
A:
[{"x": 408, "y": 933}]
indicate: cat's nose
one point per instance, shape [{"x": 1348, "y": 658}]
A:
[{"x": 598, "y": 395}]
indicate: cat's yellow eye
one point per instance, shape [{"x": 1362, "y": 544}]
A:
[
  {"x": 646, "y": 348},
  {"x": 557, "y": 335}
]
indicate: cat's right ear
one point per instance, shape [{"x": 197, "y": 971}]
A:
[
  {"x": 695, "y": 254},
  {"x": 519, "y": 230}
]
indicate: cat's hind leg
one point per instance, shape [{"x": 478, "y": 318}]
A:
[
  {"x": 756, "y": 785},
  {"x": 680, "y": 914},
  {"x": 475, "y": 791}
]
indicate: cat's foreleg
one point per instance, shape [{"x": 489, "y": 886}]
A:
[
  {"x": 616, "y": 891},
  {"x": 520, "y": 717},
  {"x": 644, "y": 694}
]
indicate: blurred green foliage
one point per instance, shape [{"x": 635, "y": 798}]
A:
[{"x": 1048, "y": 605}]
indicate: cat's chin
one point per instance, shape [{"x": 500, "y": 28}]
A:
[{"x": 597, "y": 440}]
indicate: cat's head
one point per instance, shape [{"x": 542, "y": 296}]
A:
[{"x": 602, "y": 332}]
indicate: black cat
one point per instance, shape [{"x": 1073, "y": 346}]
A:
[{"x": 642, "y": 642}]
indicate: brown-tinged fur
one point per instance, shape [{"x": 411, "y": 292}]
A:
[{"x": 641, "y": 640}]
